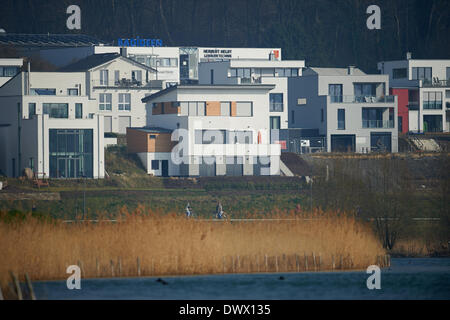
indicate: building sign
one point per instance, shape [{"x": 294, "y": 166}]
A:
[
  {"x": 217, "y": 53},
  {"x": 138, "y": 42}
]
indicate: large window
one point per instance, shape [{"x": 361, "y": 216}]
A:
[
  {"x": 400, "y": 73},
  {"x": 196, "y": 108},
  {"x": 71, "y": 153},
  {"x": 244, "y": 109},
  {"x": 42, "y": 92},
  {"x": 125, "y": 101},
  {"x": 341, "y": 119},
  {"x": 335, "y": 92},
  {"x": 286, "y": 72},
  {"x": 276, "y": 102},
  {"x": 365, "y": 89},
  {"x": 136, "y": 76},
  {"x": 432, "y": 100},
  {"x": 422, "y": 73},
  {"x": 72, "y": 92},
  {"x": 210, "y": 137},
  {"x": 105, "y": 101},
  {"x": 104, "y": 77},
  {"x": 56, "y": 110}
]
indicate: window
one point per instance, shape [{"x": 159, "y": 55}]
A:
[
  {"x": 341, "y": 119},
  {"x": 244, "y": 109},
  {"x": 240, "y": 137},
  {"x": 71, "y": 153},
  {"x": 125, "y": 101},
  {"x": 31, "y": 110},
  {"x": 276, "y": 102},
  {"x": 194, "y": 108},
  {"x": 78, "y": 110},
  {"x": 173, "y": 62},
  {"x": 105, "y": 101},
  {"x": 117, "y": 77},
  {"x": 136, "y": 76},
  {"x": 43, "y": 92},
  {"x": 233, "y": 73},
  {"x": 31, "y": 164},
  {"x": 279, "y": 72},
  {"x": 104, "y": 77},
  {"x": 155, "y": 164},
  {"x": 56, "y": 110},
  {"x": 448, "y": 73},
  {"x": 152, "y": 137},
  {"x": 274, "y": 122},
  {"x": 295, "y": 72},
  {"x": 432, "y": 100},
  {"x": 447, "y": 94},
  {"x": 184, "y": 106},
  {"x": 72, "y": 92},
  {"x": 335, "y": 92},
  {"x": 400, "y": 73},
  {"x": 9, "y": 71},
  {"x": 225, "y": 108},
  {"x": 212, "y": 76},
  {"x": 362, "y": 90},
  {"x": 210, "y": 136},
  {"x": 422, "y": 73}
]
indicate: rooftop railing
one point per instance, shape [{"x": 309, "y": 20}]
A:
[
  {"x": 435, "y": 83},
  {"x": 128, "y": 83}
]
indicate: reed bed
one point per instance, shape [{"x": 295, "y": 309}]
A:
[{"x": 148, "y": 243}]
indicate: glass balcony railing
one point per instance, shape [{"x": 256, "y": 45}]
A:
[
  {"x": 435, "y": 83},
  {"x": 433, "y": 105},
  {"x": 276, "y": 107},
  {"x": 385, "y": 124},
  {"x": 361, "y": 99}
]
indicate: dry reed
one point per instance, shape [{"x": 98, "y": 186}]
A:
[{"x": 153, "y": 244}]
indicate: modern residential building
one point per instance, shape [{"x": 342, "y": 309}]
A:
[
  {"x": 423, "y": 88},
  {"x": 118, "y": 84},
  {"x": 174, "y": 64},
  {"x": 9, "y": 67},
  {"x": 49, "y": 124},
  {"x": 266, "y": 71},
  {"x": 352, "y": 110},
  {"x": 214, "y": 130}
]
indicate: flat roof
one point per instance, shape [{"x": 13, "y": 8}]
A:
[
  {"x": 152, "y": 129},
  {"x": 209, "y": 86}
]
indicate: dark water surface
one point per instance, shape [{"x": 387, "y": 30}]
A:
[{"x": 407, "y": 278}]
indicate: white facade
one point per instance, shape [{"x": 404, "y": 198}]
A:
[
  {"x": 257, "y": 71},
  {"x": 350, "y": 108},
  {"x": 240, "y": 127},
  {"x": 44, "y": 128},
  {"x": 431, "y": 80},
  {"x": 9, "y": 67}
]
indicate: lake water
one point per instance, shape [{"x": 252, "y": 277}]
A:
[{"x": 406, "y": 279}]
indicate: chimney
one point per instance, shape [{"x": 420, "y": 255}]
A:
[
  {"x": 123, "y": 52},
  {"x": 408, "y": 56},
  {"x": 350, "y": 70}
]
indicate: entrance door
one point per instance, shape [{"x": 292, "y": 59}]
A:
[{"x": 165, "y": 168}]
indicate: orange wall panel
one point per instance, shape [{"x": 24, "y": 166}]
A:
[{"x": 213, "y": 108}]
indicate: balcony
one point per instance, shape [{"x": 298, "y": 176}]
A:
[
  {"x": 435, "y": 83},
  {"x": 361, "y": 99},
  {"x": 128, "y": 83},
  {"x": 381, "y": 124}
]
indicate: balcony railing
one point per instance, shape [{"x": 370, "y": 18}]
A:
[
  {"x": 361, "y": 99},
  {"x": 385, "y": 124},
  {"x": 435, "y": 83},
  {"x": 432, "y": 105},
  {"x": 276, "y": 106},
  {"x": 128, "y": 83}
]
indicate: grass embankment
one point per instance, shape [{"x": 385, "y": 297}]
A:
[{"x": 170, "y": 244}]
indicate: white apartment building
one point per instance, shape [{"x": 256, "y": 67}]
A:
[
  {"x": 48, "y": 124},
  {"x": 118, "y": 84},
  {"x": 257, "y": 71},
  {"x": 352, "y": 109},
  {"x": 9, "y": 67},
  {"x": 207, "y": 130},
  {"x": 427, "y": 91}
]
